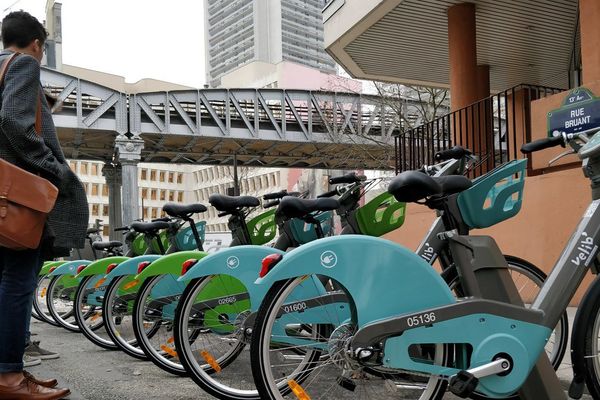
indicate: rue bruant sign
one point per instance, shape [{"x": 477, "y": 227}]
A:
[{"x": 580, "y": 111}]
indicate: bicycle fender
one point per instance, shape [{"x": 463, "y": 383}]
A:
[
  {"x": 384, "y": 278},
  {"x": 130, "y": 266},
  {"x": 240, "y": 262},
  {"x": 169, "y": 264},
  {"x": 69, "y": 268},
  {"x": 99, "y": 267},
  {"x": 49, "y": 265}
]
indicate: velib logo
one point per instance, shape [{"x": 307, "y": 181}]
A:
[
  {"x": 585, "y": 251},
  {"x": 428, "y": 253}
]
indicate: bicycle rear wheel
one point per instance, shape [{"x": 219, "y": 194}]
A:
[
  {"x": 88, "y": 313},
  {"x": 60, "y": 301},
  {"x": 324, "y": 370},
  {"x": 155, "y": 307},
  {"x": 39, "y": 300},
  {"x": 211, "y": 335}
]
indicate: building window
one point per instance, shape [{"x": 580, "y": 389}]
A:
[
  {"x": 153, "y": 194},
  {"x": 146, "y": 213},
  {"x": 163, "y": 195},
  {"x": 144, "y": 193},
  {"x": 152, "y": 175},
  {"x": 180, "y": 197},
  {"x": 84, "y": 168},
  {"x": 73, "y": 166},
  {"x": 154, "y": 213},
  {"x": 180, "y": 178},
  {"x": 105, "y": 190},
  {"x": 144, "y": 174},
  {"x": 95, "y": 169},
  {"x": 105, "y": 210},
  {"x": 106, "y": 230},
  {"x": 171, "y": 196},
  {"x": 171, "y": 177},
  {"x": 95, "y": 189},
  {"x": 95, "y": 209},
  {"x": 162, "y": 176}
]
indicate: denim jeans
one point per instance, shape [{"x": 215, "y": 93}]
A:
[{"x": 18, "y": 279}]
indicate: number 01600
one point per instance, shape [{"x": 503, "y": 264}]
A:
[{"x": 420, "y": 319}]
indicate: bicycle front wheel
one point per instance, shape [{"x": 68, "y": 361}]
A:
[
  {"x": 60, "y": 301},
  {"x": 88, "y": 312},
  {"x": 292, "y": 357}
]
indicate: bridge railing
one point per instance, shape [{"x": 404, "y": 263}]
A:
[{"x": 493, "y": 128}]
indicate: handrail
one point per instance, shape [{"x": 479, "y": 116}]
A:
[{"x": 494, "y": 128}]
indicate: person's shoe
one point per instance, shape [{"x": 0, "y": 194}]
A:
[
  {"x": 49, "y": 383},
  {"x": 29, "y": 361},
  {"x": 35, "y": 350},
  {"x": 28, "y": 390}
]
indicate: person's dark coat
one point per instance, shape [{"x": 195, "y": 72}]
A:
[{"x": 20, "y": 145}]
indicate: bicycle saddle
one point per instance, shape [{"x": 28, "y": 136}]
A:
[
  {"x": 412, "y": 186},
  {"x": 106, "y": 245},
  {"x": 183, "y": 210},
  {"x": 229, "y": 203},
  {"x": 293, "y": 207},
  {"x": 149, "y": 227}
]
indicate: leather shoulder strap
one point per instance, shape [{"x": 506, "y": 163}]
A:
[{"x": 38, "y": 110}]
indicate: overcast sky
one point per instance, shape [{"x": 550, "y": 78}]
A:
[{"x": 133, "y": 38}]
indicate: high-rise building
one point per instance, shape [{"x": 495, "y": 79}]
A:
[{"x": 239, "y": 32}]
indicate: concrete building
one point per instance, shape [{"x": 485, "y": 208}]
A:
[{"x": 263, "y": 32}]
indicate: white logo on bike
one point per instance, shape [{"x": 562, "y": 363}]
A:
[
  {"x": 233, "y": 262},
  {"x": 329, "y": 259}
]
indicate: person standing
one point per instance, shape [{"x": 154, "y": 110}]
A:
[{"x": 65, "y": 228}]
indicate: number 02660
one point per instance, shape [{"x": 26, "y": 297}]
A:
[{"x": 421, "y": 319}]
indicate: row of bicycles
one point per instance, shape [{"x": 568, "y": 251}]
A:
[{"x": 292, "y": 311}]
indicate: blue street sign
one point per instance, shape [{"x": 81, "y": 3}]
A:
[{"x": 580, "y": 111}]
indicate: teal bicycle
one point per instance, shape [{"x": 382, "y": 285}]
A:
[{"x": 391, "y": 327}]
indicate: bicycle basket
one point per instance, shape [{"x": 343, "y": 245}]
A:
[
  {"x": 185, "y": 240},
  {"x": 262, "y": 228},
  {"x": 139, "y": 245},
  {"x": 304, "y": 232},
  {"x": 381, "y": 215},
  {"x": 495, "y": 196}
]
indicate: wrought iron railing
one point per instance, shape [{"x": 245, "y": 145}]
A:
[{"x": 493, "y": 128}]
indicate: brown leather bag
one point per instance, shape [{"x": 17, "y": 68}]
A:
[{"x": 25, "y": 198}]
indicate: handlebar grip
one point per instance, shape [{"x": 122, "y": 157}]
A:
[
  {"x": 348, "y": 178},
  {"x": 223, "y": 214},
  {"x": 270, "y": 204},
  {"x": 542, "y": 144},
  {"x": 457, "y": 152},
  {"x": 331, "y": 193},
  {"x": 276, "y": 195},
  {"x": 123, "y": 228}
]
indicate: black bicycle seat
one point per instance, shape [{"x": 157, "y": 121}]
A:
[
  {"x": 294, "y": 207},
  {"x": 113, "y": 244},
  {"x": 453, "y": 183},
  {"x": 412, "y": 186},
  {"x": 149, "y": 227},
  {"x": 229, "y": 203},
  {"x": 183, "y": 210}
]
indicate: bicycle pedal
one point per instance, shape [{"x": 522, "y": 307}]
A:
[
  {"x": 576, "y": 388},
  {"x": 346, "y": 383},
  {"x": 463, "y": 384}
]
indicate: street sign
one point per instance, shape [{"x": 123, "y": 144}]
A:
[{"x": 580, "y": 111}]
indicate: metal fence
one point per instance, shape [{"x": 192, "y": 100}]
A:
[{"x": 493, "y": 128}]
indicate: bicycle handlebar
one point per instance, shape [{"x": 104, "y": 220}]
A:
[
  {"x": 331, "y": 193},
  {"x": 272, "y": 203},
  {"x": 542, "y": 144},
  {"x": 123, "y": 228},
  {"x": 277, "y": 195},
  {"x": 457, "y": 152},
  {"x": 348, "y": 178}
]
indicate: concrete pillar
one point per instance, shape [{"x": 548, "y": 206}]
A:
[
  {"x": 462, "y": 46},
  {"x": 130, "y": 154},
  {"x": 112, "y": 174},
  {"x": 589, "y": 15}
]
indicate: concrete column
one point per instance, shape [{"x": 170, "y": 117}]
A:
[
  {"x": 130, "y": 154},
  {"x": 462, "y": 46},
  {"x": 589, "y": 15},
  {"x": 112, "y": 174}
]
